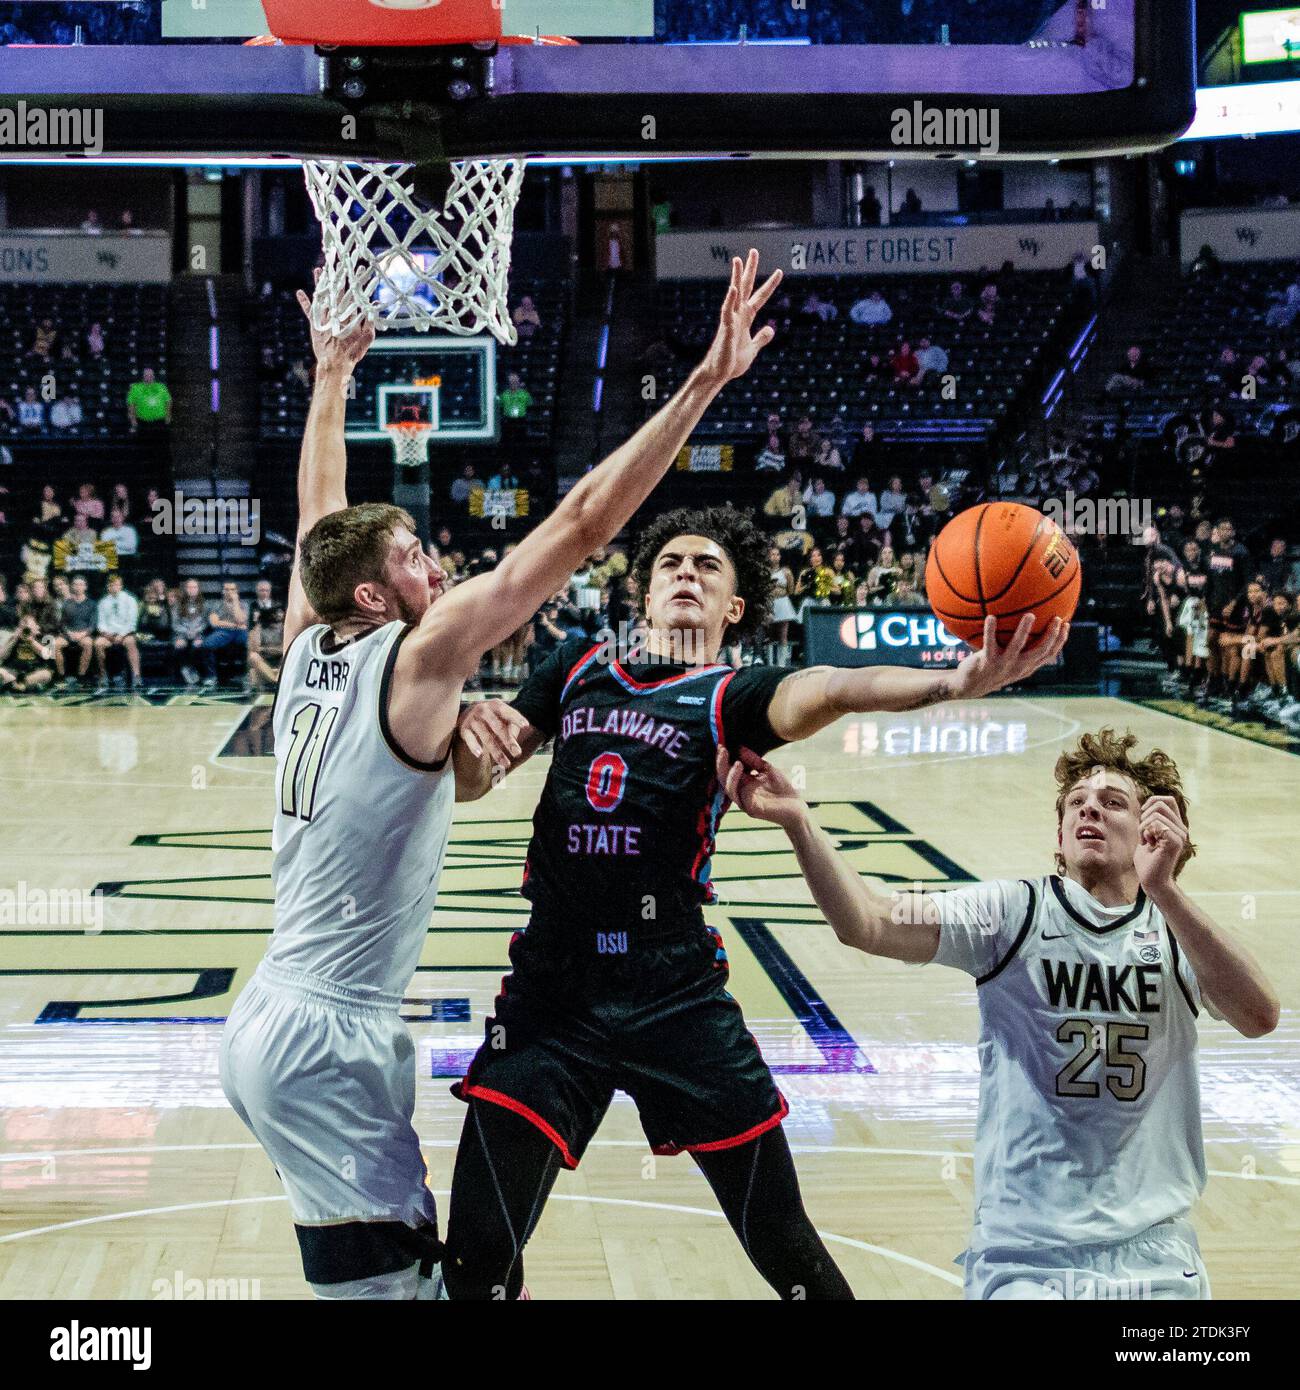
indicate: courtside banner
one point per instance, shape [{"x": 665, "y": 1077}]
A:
[
  {"x": 875, "y": 250},
  {"x": 879, "y": 637},
  {"x": 74, "y": 258}
]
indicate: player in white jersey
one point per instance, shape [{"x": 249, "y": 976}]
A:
[
  {"x": 1088, "y": 1152},
  {"x": 315, "y": 1057}
]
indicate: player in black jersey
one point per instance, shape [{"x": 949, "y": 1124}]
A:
[{"x": 617, "y": 982}]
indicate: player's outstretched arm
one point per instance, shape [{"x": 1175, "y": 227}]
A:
[
  {"x": 811, "y": 699},
  {"x": 905, "y": 927},
  {"x": 484, "y": 611},
  {"x": 323, "y": 462},
  {"x": 1230, "y": 978}
]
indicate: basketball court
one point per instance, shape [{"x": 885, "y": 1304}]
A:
[{"x": 122, "y": 1165}]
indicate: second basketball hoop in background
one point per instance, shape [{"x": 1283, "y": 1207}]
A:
[{"x": 395, "y": 260}]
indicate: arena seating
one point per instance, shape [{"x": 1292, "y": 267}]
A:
[
  {"x": 1185, "y": 330},
  {"x": 134, "y": 323},
  {"x": 820, "y": 369}
]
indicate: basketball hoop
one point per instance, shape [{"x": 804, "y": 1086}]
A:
[
  {"x": 410, "y": 440},
  {"x": 400, "y": 263}
]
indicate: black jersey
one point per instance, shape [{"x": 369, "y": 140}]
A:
[{"x": 623, "y": 835}]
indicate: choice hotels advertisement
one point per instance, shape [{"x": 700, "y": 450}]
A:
[{"x": 879, "y": 636}]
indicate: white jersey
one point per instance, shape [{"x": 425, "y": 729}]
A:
[
  {"x": 1089, "y": 1127},
  {"x": 360, "y": 830}
]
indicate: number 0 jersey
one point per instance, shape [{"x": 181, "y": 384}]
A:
[
  {"x": 1089, "y": 1128},
  {"x": 623, "y": 835},
  {"x": 360, "y": 830}
]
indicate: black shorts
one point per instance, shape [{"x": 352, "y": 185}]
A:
[{"x": 573, "y": 1025}]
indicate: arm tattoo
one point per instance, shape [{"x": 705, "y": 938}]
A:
[{"x": 936, "y": 693}]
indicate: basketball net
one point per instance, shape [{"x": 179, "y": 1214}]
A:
[
  {"x": 399, "y": 264},
  {"x": 410, "y": 440}
]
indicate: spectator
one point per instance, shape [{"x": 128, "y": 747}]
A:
[
  {"x": 906, "y": 595},
  {"x": 1165, "y": 592},
  {"x": 892, "y": 501},
  {"x": 905, "y": 366},
  {"x": 42, "y": 609},
  {"x": 92, "y": 224},
  {"x": 526, "y": 318},
  {"x": 1131, "y": 374},
  {"x": 1228, "y": 563},
  {"x": 7, "y": 412},
  {"x": 149, "y": 403},
  {"x": 958, "y": 307},
  {"x": 861, "y": 501},
  {"x": 44, "y": 342},
  {"x": 804, "y": 443},
  {"x": 1286, "y": 308},
  {"x": 930, "y": 358},
  {"x": 116, "y": 620},
  {"x": 31, "y": 412},
  {"x": 515, "y": 399},
  {"x": 227, "y": 630},
  {"x": 547, "y": 632},
  {"x": 1280, "y": 640},
  {"x": 265, "y": 638},
  {"x": 882, "y": 576},
  {"x": 122, "y": 534},
  {"x": 1220, "y": 433},
  {"x": 154, "y": 625},
  {"x": 988, "y": 310},
  {"x": 815, "y": 579},
  {"x": 828, "y": 459},
  {"x": 81, "y": 536},
  {"x": 87, "y": 504},
  {"x": 774, "y": 426},
  {"x": 65, "y": 413},
  {"x": 842, "y": 584},
  {"x": 1049, "y": 210},
  {"x": 1241, "y": 647},
  {"x": 819, "y": 500},
  {"x": 127, "y": 221},
  {"x": 869, "y": 209},
  {"x": 28, "y": 663},
  {"x": 503, "y": 481},
  {"x": 189, "y": 627},
  {"x": 462, "y": 487},
  {"x": 777, "y": 650},
  {"x": 911, "y": 204},
  {"x": 76, "y": 629},
  {"x": 1226, "y": 370},
  {"x": 95, "y": 340},
  {"x": 871, "y": 309},
  {"x": 772, "y": 459},
  {"x": 865, "y": 451},
  {"x": 121, "y": 498},
  {"x": 50, "y": 516},
  {"x": 818, "y": 309},
  {"x": 1275, "y": 572},
  {"x": 1191, "y": 561},
  {"x": 864, "y": 545}
]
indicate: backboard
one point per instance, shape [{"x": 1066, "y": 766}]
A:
[
  {"x": 648, "y": 79},
  {"x": 449, "y": 384}
]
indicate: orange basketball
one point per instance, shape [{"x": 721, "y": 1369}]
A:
[{"x": 1005, "y": 559}]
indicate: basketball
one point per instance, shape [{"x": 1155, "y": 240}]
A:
[{"x": 1005, "y": 559}]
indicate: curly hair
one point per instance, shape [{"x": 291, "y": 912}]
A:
[
  {"x": 1154, "y": 775},
  {"x": 746, "y": 547}
]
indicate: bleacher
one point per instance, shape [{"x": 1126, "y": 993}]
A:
[
  {"x": 820, "y": 369},
  {"x": 284, "y": 398},
  {"x": 134, "y": 322},
  {"x": 1185, "y": 331}
]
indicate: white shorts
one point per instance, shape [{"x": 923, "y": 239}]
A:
[
  {"x": 1164, "y": 1262},
  {"x": 325, "y": 1078}
]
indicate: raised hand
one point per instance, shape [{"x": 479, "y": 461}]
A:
[
  {"x": 1162, "y": 838},
  {"x": 992, "y": 667},
  {"x": 733, "y": 350},
  {"x": 337, "y": 353},
  {"x": 759, "y": 789}
]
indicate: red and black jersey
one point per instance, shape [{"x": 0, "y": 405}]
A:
[{"x": 624, "y": 832}]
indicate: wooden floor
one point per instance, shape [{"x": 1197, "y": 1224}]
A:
[{"x": 121, "y": 1168}]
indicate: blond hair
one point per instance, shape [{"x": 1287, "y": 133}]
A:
[{"x": 1155, "y": 775}]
